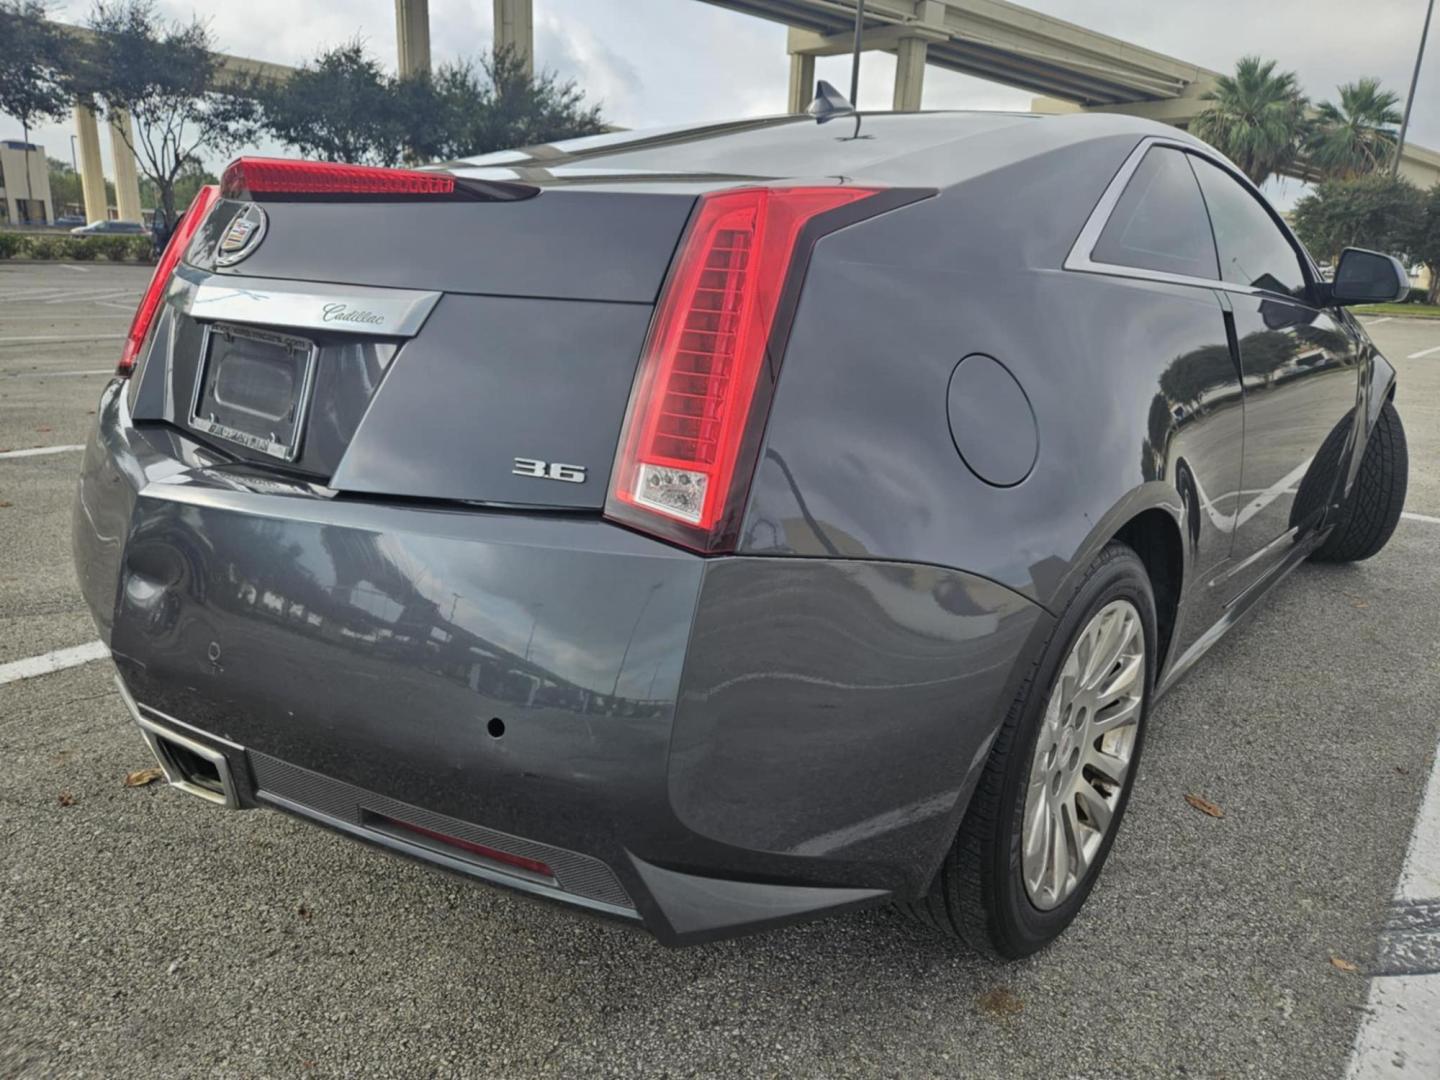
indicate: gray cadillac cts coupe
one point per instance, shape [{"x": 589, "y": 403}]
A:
[{"x": 716, "y": 527}]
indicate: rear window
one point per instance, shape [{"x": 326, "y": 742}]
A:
[{"x": 792, "y": 146}]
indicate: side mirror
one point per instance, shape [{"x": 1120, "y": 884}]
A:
[{"x": 1368, "y": 277}]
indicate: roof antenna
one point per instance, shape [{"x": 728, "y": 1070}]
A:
[{"x": 828, "y": 104}]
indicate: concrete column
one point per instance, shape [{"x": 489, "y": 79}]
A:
[
  {"x": 127, "y": 181},
  {"x": 92, "y": 175},
  {"x": 909, "y": 73},
  {"x": 412, "y": 36},
  {"x": 802, "y": 81},
  {"x": 515, "y": 29}
]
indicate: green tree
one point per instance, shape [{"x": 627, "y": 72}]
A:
[
  {"x": 192, "y": 177},
  {"x": 167, "y": 77},
  {"x": 494, "y": 103},
  {"x": 1357, "y": 136},
  {"x": 1425, "y": 240},
  {"x": 1377, "y": 211},
  {"x": 343, "y": 106},
  {"x": 64, "y": 184},
  {"x": 1256, "y": 117},
  {"x": 34, "y": 68}
]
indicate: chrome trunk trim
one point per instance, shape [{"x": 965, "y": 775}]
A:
[{"x": 306, "y": 305}]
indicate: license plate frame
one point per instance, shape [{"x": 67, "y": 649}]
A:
[{"x": 302, "y": 352}]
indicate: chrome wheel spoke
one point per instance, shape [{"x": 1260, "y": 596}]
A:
[
  {"x": 1059, "y": 854},
  {"x": 1116, "y": 717},
  {"x": 1125, "y": 680},
  {"x": 1075, "y": 844},
  {"x": 1094, "y": 806},
  {"x": 1111, "y": 767}
]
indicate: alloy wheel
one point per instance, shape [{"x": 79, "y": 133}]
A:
[{"x": 1083, "y": 752}]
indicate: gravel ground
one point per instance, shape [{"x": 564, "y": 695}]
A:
[{"x": 145, "y": 934}]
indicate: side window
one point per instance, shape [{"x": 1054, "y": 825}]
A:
[
  {"x": 1159, "y": 221},
  {"x": 1253, "y": 250}
]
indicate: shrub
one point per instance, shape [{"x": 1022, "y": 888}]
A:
[
  {"x": 113, "y": 248},
  {"x": 41, "y": 246},
  {"x": 79, "y": 248},
  {"x": 1416, "y": 296},
  {"x": 45, "y": 247},
  {"x": 139, "y": 248}
]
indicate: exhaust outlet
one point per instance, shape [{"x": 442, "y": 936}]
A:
[{"x": 188, "y": 764}]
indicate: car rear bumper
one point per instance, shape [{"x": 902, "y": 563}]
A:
[{"x": 547, "y": 701}]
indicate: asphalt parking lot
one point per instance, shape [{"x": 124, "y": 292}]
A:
[{"x": 145, "y": 934}]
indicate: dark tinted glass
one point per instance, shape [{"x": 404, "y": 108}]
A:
[
  {"x": 1159, "y": 222},
  {"x": 1253, "y": 250}
]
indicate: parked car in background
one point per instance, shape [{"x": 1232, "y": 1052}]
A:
[
  {"x": 715, "y": 528},
  {"x": 69, "y": 221},
  {"x": 110, "y": 228}
]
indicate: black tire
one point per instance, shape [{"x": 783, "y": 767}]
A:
[
  {"x": 979, "y": 894},
  {"x": 1368, "y": 517}
]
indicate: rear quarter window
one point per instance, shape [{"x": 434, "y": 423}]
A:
[{"x": 1159, "y": 222}]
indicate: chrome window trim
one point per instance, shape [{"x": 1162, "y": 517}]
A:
[
  {"x": 1079, "y": 259},
  {"x": 306, "y": 305}
]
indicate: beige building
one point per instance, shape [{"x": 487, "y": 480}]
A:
[{"x": 21, "y": 204}]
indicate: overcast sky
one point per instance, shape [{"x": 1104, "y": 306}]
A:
[{"x": 655, "y": 62}]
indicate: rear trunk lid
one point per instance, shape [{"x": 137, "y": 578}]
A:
[{"x": 479, "y": 351}]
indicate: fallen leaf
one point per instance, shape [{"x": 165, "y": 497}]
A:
[
  {"x": 1402, "y": 770},
  {"x": 1343, "y": 964},
  {"x": 1362, "y": 604},
  {"x": 999, "y": 1002},
  {"x": 66, "y": 799},
  {"x": 141, "y": 777},
  {"x": 4, "y": 504},
  {"x": 1205, "y": 806},
  {"x": 304, "y": 912}
]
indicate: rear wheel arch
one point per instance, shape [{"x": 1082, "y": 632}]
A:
[
  {"x": 1152, "y": 520},
  {"x": 1155, "y": 536}
]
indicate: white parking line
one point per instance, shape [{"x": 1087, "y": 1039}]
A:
[
  {"x": 1423, "y": 352},
  {"x": 56, "y": 374},
  {"x": 63, "y": 337},
  {"x": 88, "y": 297},
  {"x": 77, "y": 269},
  {"x": 36, "y": 451},
  {"x": 1377, "y": 322},
  {"x": 1420, "y": 517},
  {"x": 52, "y": 661},
  {"x": 1399, "y": 1036}
]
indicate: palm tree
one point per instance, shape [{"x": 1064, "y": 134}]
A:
[
  {"x": 1256, "y": 118},
  {"x": 1357, "y": 136}
]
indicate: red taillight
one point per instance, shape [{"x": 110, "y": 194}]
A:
[
  {"x": 702, "y": 389},
  {"x": 254, "y": 177},
  {"x": 160, "y": 280}
]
